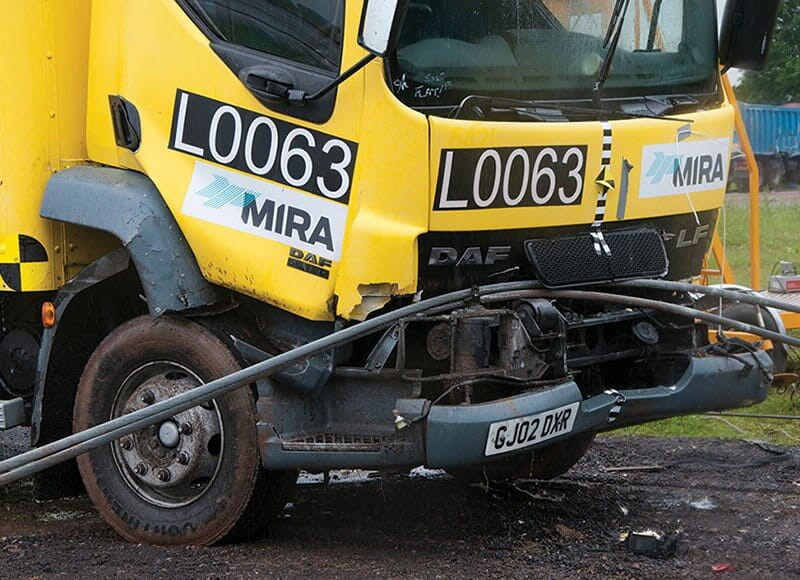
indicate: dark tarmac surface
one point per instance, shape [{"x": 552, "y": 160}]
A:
[{"x": 430, "y": 525}]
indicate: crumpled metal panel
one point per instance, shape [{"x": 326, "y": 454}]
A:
[{"x": 127, "y": 205}]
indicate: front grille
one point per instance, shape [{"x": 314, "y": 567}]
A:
[
  {"x": 335, "y": 442},
  {"x": 572, "y": 260}
]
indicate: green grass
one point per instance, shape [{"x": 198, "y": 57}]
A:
[
  {"x": 780, "y": 230},
  {"x": 780, "y": 240},
  {"x": 774, "y": 431}
]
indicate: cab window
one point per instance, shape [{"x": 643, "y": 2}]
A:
[{"x": 308, "y": 32}]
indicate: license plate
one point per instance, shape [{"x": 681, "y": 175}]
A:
[{"x": 506, "y": 436}]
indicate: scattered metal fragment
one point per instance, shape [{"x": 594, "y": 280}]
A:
[
  {"x": 504, "y": 489},
  {"x": 652, "y": 543}
]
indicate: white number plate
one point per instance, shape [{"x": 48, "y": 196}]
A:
[{"x": 516, "y": 434}]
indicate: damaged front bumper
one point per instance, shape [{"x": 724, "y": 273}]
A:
[
  {"x": 464, "y": 435},
  {"x": 336, "y": 429}
]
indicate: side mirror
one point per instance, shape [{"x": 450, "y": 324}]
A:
[
  {"x": 381, "y": 22},
  {"x": 746, "y": 34}
]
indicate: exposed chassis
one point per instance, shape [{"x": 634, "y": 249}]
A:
[{"x": 708, "y": 382}]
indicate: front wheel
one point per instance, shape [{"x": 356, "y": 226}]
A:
[{"x": 195, "y": 478}]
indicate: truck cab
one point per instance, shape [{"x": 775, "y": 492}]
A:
[{"x": 193, "y": 186}]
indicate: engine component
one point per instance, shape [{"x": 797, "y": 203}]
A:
[
  {"x": 646, "y": 332},
  {"x": 438, "y": 341}
]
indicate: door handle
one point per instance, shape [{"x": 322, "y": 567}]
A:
[{"x": 268, "y": 88}]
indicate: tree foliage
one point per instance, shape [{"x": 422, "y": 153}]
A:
[{"x": 779, "y": 82}]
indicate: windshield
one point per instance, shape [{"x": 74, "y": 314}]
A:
[{"x": 552, "y": 50}]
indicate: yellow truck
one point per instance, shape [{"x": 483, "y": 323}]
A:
[{"x": 193, "y": 186}]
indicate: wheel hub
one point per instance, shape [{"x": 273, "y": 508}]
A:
[
  {"x": 171, "y": 464},
  {"x": 169, "y": 434}
]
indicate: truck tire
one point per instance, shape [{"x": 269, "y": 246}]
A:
[
  {"x": 742, "y": 184},
  {"x": 195, "y": 479},
  {"x": 545, "y": 463},
  {"x": 775, "y": 173}
]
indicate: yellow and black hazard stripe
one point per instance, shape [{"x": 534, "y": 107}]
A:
[
  {"x": 606, "y": 185},
  {"x": 30, "y": 251}
]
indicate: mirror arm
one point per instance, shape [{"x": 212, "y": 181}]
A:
[{"x": 299, "y": 97}]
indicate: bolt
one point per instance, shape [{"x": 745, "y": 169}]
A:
[
  {"x": 164, "y": 475},
  {"x": 126, "y": 444},
  {"x": 148, "y": 398},
  {"x": 186, "y": 429},
  {"x": 140, "y": 469},
  {"x": 183, "y": 458}
]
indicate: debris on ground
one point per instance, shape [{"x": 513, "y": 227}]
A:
[
  {"x": 61, "y": 516},
  {"x": 429, "y": 524},
  {"x": 652, "y": 543},
  {"x": 569, "y": 534},
  {"x": 703, "y": 504}
]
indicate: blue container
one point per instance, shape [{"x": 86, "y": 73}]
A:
[{"x": 772, "y": 129}]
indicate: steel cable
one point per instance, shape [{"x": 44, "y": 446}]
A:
[{"x": 69, "y": 447}]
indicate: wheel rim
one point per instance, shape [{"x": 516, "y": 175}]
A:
[{"x": 175, "y": 462}]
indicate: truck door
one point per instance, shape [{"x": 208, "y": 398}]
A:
[{"x": 259, "y": 186}]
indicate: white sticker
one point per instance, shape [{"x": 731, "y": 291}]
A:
[
  {"x": 266, "y": 209},
  {"x": 684, "y": 167}
]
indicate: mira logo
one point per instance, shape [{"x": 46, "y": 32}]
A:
[
  {"x": 267, "y": 210},
  {"x": 686, "y": 167}
]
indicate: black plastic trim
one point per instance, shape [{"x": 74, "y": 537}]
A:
[
  {"x": 126, "y": 121},
  {"x": 245, "y": 62}
]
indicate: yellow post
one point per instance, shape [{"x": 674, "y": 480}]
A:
[{"x": 755, "y": 208}]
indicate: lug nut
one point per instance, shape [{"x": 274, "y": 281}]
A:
[
  {"x": 164, "y": 475},
  {"x": 140, "y": 469},
  {"x": 148, "y": 398},
  {"x": 183, "y": 458},
  {"x": 186, "y": 429},
  {"x": 126, "y": 444}
]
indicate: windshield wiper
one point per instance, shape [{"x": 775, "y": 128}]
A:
[
  {"x": 611, "y": 42},
  {"x": 549, "y": 109},
  {"x": 612, "y": 23}
]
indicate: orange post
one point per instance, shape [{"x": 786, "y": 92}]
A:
[
  {"x": 725, "y": 270},
  {"x": 755, "y": 207}
]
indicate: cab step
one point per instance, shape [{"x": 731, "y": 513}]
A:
[{"x": 12, "y": 413}]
